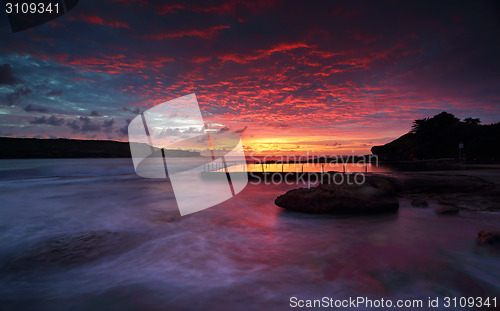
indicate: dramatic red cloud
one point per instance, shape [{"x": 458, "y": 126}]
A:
[
  {"x": 95, "y": 19},
  {"x": 92, "y": 19},
  {"x": 201, "y": 33},
  {"x": 243, "y": 59},
  {"x": 170, "y": 8},
  {"x": 231, "y": 6},
  {"x": 130, "y": 2}
]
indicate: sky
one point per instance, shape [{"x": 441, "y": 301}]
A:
[{"x": 291, "y": 77}]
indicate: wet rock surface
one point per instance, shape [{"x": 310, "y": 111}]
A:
[
  {"x": 488, "y": 237},
  {"x": 75, "y": 249},
  {"x": 419, "y": 202},
  {"x": 447, "y": 210},
  {"x": 376, "y": 195},
  {"x": 472, "y": 191}
]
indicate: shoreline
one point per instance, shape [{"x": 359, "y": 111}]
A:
[{"x": 472, "y": 190}]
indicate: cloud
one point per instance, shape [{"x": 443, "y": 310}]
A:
[
  {"x": 88, "y": 125},
  {"x": 73, "y": 125},
  {"x": 240, "y": 131},
  {"x": 324, "y": 142},
  {"x": 134, "y": 111},
  {"x": 52, "y": 120},
  {"x": 170, "y": 8},
  {"x": 40, "y": 120},
  {"x": 6, "y": 76},
  {"x": 278, "y": 124},
  {"x": 54, "y": 93},
  {"x": 207, "y": 33},
  {"x": 108, "y": 125},
  {"x": 55, "y": 121},
  {"x": 85, "y": 124},
  {"x": 17, "y": 93},
  {"x": 94, "y": 19},
  {"x": 95, "y": 113},
  {"x": 31, "y": 108},
  {"x": 124, "y": 130},
  {"x": 194, "y": 130}
]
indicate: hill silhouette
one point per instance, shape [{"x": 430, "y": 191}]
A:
[
  {"x": 439, "y": 137},
  {"x": 29, "y": 148}
]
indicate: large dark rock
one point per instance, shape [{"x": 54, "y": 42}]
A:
[
  {"x": 488, "y": 237},
  {"x": 376, "y": 195}
]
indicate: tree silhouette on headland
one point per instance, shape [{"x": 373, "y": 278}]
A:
[{"x": 440, "y": 136}]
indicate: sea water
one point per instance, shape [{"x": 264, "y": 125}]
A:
[{"x": 243, "y": 254}]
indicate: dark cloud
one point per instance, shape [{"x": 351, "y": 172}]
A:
[
  {"x": 73, "y": 125},
  {"x": 6, "y": 76},
  {"x": 85, "y": 124},
  {"x": 54, "y": 93},
  {"x": 88, "y": 125},
  {"x": 15, "y": 95},
  {"x": 95, "y": 113},
  {"x": 240, "y": 131},
  {"x": 55, "y": 121},
  {"x": 134, "y": 111},
  {"x": 40, "y": 120},
  {"x": 124, "y": 130},
  {"x": 107, "y": 125},
  {"x": 52, "y": 120},
  {"x": 31, "y": 108},
  {"x": 278, "y": 124}
]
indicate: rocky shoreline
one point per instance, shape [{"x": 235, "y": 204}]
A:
[
  {"x": 453, "y": 191},
  {"x": 377, "y": 194}
]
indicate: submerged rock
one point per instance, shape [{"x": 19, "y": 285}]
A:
[
  {"x": 490, "y": 237},
  {"x": 447, "y": 209},
  {"x": 376, "y": 195},
  {"x": 79, "y": 248},
  {"x": 419, "y": 203}
]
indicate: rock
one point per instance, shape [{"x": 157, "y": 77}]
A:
[
  {"x": 79, "y": 248},
  {"x": 376, "y": 195},
  {"x": 419, "y": 203},
  {"x": 430, "y": 183},
  {"x": 485, "y": 237},
  {"x": 447, "y": 209}
]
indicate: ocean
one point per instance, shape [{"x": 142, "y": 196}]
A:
[{"x": 88, "y": 234}]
